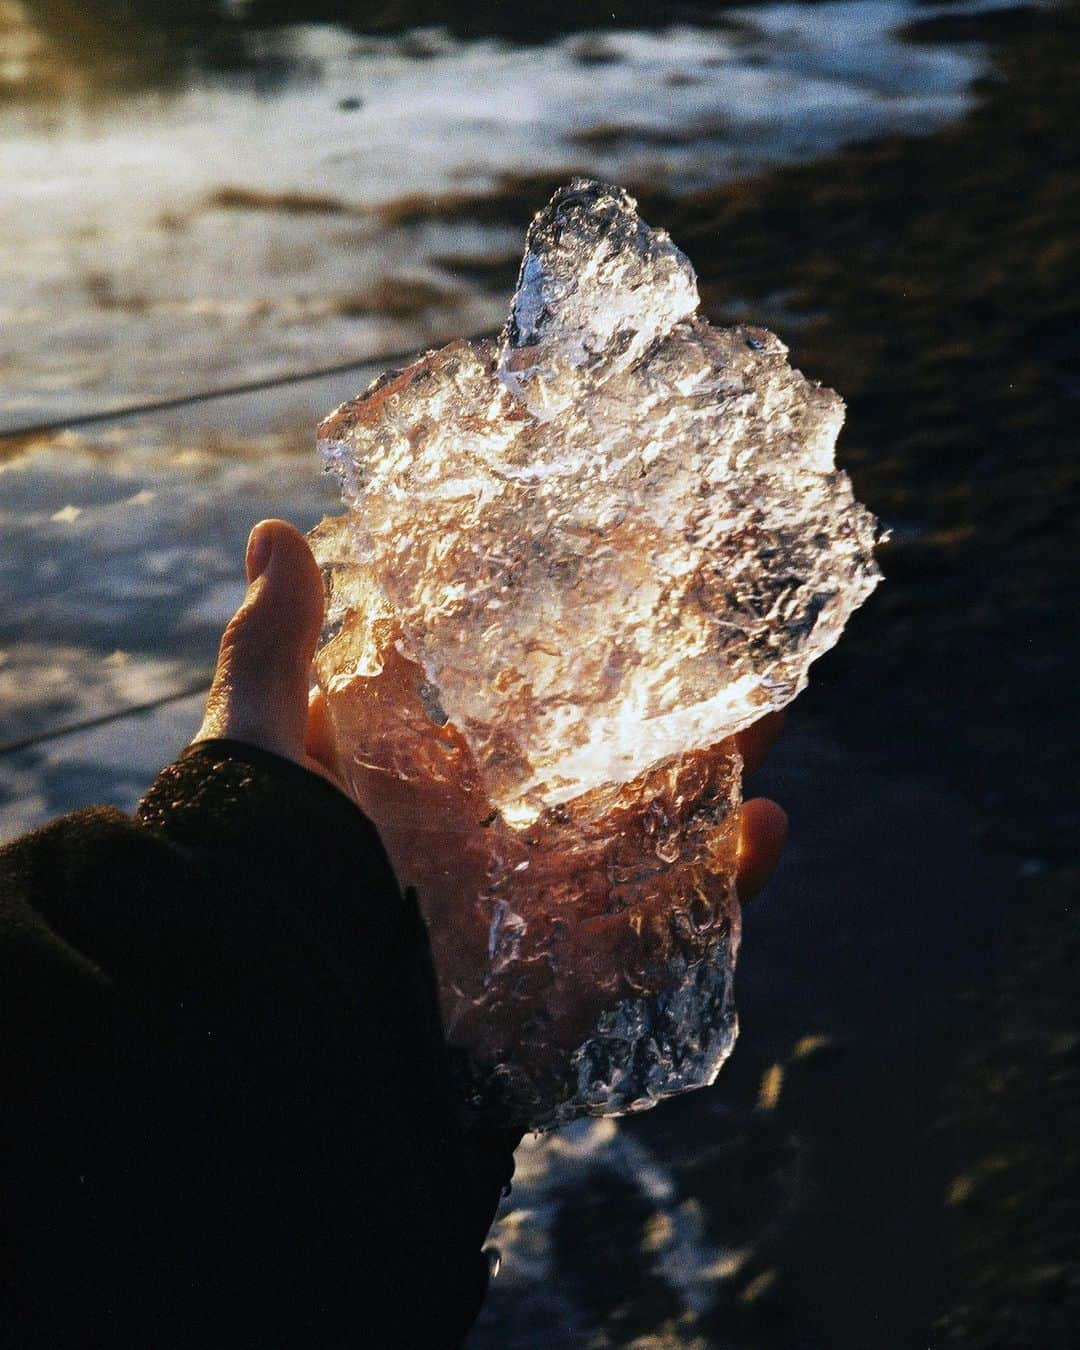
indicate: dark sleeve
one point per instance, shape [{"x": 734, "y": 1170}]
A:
[{"x": 224, "y": 1091}]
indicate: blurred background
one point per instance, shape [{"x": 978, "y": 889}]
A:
[{"x": 279, "y": 199}]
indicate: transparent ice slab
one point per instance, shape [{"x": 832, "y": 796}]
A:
[{"x": 574, "y": 563}]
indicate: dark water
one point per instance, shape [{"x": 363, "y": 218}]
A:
[{"x": 194, "y": 196}]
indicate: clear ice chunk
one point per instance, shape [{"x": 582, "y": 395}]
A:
[
  {"x": 597, "y": 288},
  {"x": 575, "y": 562}
]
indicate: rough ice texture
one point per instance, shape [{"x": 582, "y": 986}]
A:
[{"x": 575, "y": 562}]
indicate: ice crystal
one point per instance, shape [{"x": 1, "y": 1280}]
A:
[{"x": 575, "y": 562}]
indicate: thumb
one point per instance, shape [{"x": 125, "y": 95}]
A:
[{"x": 260, "y": 688}]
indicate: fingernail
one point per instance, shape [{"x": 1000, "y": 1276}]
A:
[{"x": 259, "y": 547}]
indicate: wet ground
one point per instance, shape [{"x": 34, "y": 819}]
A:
[{"x": 893, "y": 1146}]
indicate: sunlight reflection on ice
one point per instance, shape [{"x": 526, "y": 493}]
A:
[{"x": 174, "y": 244}]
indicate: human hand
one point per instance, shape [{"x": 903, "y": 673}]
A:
[
  {"x": 430, "y": 826},
  {"x": 260, "y": 691},
  {"x": 763, "y": 824}
]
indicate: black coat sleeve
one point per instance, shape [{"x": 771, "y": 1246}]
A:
[{"x": 225, "y": 1097}]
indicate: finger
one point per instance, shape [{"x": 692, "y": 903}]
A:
[
  {"x": 756, "y": 741},
  {"x": 319, "y": 743},
  {"x": 763, "y": 830},
  {"x": 260, "y": 688}
]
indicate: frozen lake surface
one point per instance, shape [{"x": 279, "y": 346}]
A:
[{"x": 163, "y": 241}]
